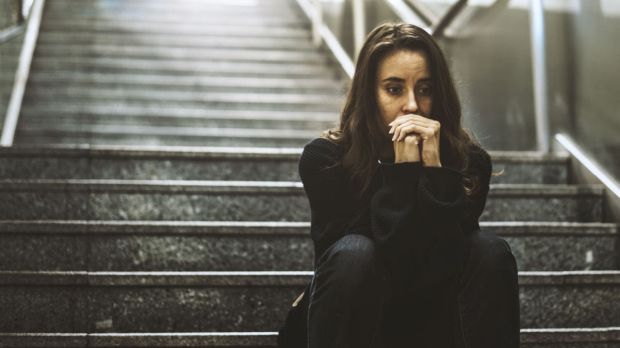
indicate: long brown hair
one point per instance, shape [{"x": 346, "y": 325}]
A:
[{"x": 361, "y": 132}]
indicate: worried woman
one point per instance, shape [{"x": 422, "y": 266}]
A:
[{"x": 395, "y": 193}]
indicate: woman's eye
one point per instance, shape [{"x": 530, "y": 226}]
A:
[
  {"x": 393, "y": 90},
  {"x": 424, "y": 91}
]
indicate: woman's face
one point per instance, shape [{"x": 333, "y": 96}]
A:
[{"x": 404, "y": 85}]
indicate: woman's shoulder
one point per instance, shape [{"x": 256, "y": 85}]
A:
[
  {"x": 319, "y": 153},
  {"x": 478, "y": 157},
  {"x": 322, "y": 148},
  {"x": 322, "y": 144}
]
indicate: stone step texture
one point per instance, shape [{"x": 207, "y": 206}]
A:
[
  {"x": 221, "y": 163},
  {"x": 248, "y": 301},
  {"x": 153, "y": 198},
  {"x": 109, "y": 199},
  {"x": 530, "y": 338},
  {"x": 259, "y": 246}
]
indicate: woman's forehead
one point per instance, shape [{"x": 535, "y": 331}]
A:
[{"x": 404, "y": 64}]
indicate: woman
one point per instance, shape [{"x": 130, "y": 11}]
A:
[{"x": 395, "y": 193}]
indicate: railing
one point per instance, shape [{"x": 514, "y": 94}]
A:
[
  {"x": 585, "y": 169},
  {"x": 322, "y": 34},
  {"x": 537, "y": 34},
  {"x": 23, "y": 68}
]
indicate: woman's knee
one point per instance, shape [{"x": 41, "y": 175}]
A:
[
  {"x": 491, "y": 255},
  {"x": 351, "y": 260}
]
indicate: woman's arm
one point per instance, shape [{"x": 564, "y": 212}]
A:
[
  {"x": 480, "y": 168},
  {"x": 326, "y": 187},
  {"x": 419, "y": 217}
]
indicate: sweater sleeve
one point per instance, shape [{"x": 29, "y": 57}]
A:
[
  {"x": 325, "y": 184},
  {"x": 480, "y": 169},
  {"x": 418, "y": 218}
]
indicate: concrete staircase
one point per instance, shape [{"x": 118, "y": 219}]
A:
[
  {"x": 188, "y": 72},
  {"x": 115, "y": 244}
]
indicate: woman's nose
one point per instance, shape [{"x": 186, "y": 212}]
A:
[{"x": 411, "y": 106}]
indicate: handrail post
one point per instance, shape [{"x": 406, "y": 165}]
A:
[
  {"x": 537, "y": 33},
  {"x": 359, "y": 25},
  {"x": 317, "y": 22}
]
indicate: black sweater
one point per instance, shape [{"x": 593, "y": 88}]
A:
[{"x": 418, "y": 216}]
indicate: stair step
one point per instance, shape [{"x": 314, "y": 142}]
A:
[
  {"x": 68, "y": 116},
  {"x": 530, "y": 338},
  {"x": 40, "y": 82},
  {"x": 191, "y": 14},
  {"x": 117, "y": 50},
  {"x": 178, "y": 14},
  {"x": 202, "y": 29},
  {"x": 173, "y": 136},
  {"x": 220, "y": 163},
  {"x": 174, "y": 21},
  {"x": 260, "y": 246},
  {"x": 73, "y": 95},
  {"x": 204, "y": 301},
  {"x": 221, "y": 101},
  {"x": 252, "y": 200},
  {"x": 62, "y": 120},
  {"x": 75, "y": 8},
  {"x": 182, "y": 68},
  {"x": 184, "y": 10},
  {"x": 168, "y": 40}
]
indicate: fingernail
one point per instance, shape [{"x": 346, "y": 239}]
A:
[{"x": 391, "y": 131}]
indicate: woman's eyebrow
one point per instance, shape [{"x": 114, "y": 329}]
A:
[
  {"x": 401, "y": 80},
  {"x": 393, "y": 79}
]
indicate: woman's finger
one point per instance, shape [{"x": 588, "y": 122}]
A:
[
  {"x": 422, "y": 132},
  {"x": 407, "y": 117},
  {"x": 413, "y": 126},
  {"x": 401, "y": 119},
  {"x": 398, "y": 130}
]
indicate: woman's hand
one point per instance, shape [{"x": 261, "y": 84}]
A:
[
  {"x": 407, "y": 150},
  {"x": 409, "y": 130}
]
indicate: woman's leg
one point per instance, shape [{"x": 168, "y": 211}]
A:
[
  {"x": 488, "y": 296},
  {"x": 346, "y": 295}
]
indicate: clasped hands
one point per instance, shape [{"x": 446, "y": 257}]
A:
[{"x": 416, "y": 138}]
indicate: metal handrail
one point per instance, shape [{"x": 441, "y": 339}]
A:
[
  {"x": 586, "y": 163},
  {"x": 428, "y": 16},
  {"x": 539, "y": 74},
  {"x": 10, "y": 32},
  {"x": 407, "y": 15},
  {"x": 441, "y": 25},
  {"x": 322, "y": 33},
  {"x": 436, "y": 23},
  {"x": 21, "y": 74}
]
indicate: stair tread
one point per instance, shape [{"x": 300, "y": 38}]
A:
[
  {"x": 259, "y": 278},
  {"x": 170, "y": 152},
  {"x": 278, "y": 186},
  {"x": 268, "y": 338},
  {"x": 285, "y": 228}
]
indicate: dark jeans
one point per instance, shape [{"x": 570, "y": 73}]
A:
[{"x": 353, "y": 304}]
